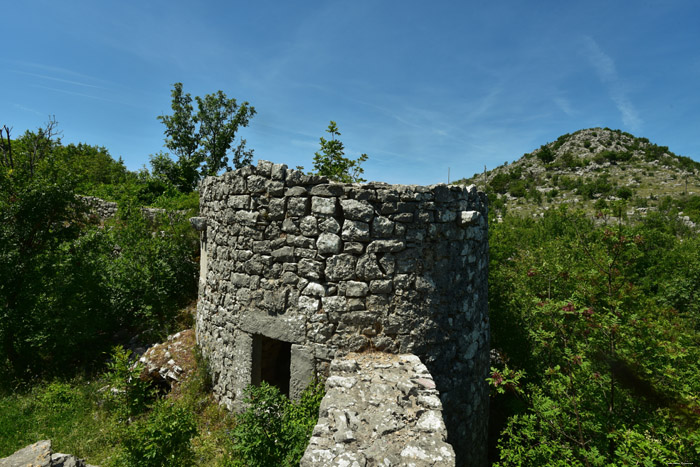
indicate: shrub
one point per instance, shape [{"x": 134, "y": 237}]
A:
[
  {"x": 545, "y": 154},
  {"x": 274, "y": 430},
  {"x": 161, "y": 439},
  {"x": 129, "y": 395},
  {"x": 624, "y": 192}
]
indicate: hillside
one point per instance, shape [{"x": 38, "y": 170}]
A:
[{"x": 595, "y": 169}]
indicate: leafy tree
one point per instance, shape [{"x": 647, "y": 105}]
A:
[
  {"x": 202, "y": 140},
  {"x": 331, "y": 162}
]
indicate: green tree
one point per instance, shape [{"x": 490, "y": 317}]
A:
[
  {"x": 202, "y": 140},
  {"x": 331, "y": 162}
]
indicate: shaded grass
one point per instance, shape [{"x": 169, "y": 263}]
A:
[
  {"x": 68, "y": 413},
  {"x": 73, "y": 414}
]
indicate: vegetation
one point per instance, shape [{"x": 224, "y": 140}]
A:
[
  {"x": 331, "y": 162},
  {"x": 598, "y": 328},
  {"x": 586, "y": 166},
  {"x": 594, "y": 312},
  {"x": 274, "y": 430},
  {"x": 201, "y": 140},
  {"x": 67, "y": 282},
  {"x": 70, "y": 281}
]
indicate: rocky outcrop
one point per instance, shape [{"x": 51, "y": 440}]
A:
[
  {"x": 40, "y": 454},
  {"x": 379, "y": 409},
  {"x": 170, "y": 362}
]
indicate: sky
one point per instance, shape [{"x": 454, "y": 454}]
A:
[{"x": 428, "y": 90}]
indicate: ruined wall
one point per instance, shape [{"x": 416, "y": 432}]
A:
[
  {"x": 328, "y": 268},
  {"x": 379, "y": 409}
]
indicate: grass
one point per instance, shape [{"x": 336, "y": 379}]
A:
[
  {"x": 68, "y": 413},
  {"x": 76, "y": 417}
]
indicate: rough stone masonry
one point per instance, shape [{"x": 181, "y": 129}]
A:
[{"x": 296, "y": 271}]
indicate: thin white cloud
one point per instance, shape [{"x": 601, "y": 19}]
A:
[
  {"x": 59, "y": 71},
  {"x": 60, "y": 80},
  {"x": 605, "y": 67},
  {"x": 27, "y": 109}
]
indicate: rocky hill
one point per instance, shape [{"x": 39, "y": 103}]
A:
[{"x": 600, "y": 170}]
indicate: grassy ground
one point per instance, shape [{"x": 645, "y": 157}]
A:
[
  {"x": 76, "y": 416},
  {"x": 68, "y": 413}
]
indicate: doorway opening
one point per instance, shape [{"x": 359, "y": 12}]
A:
[{"x": 271, "y": 362}]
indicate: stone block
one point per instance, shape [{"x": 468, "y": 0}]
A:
[
  {"x": 321, "y": 205},
  {"x": 355, "y": 231},
  {"x": 357, "y": 210},
  {"x": 329, "y": 243}
]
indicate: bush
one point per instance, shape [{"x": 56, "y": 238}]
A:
[
  {"x": 604, "y": 323},
  {"x": 624, "y": 192},
  {"x": 274, "y": 430},
  {"x": 161, "y": 439},
  {"x": 128, "y": 394},
  {"x": 545, "y": 154}
]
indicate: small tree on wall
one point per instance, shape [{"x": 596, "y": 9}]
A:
[{"x": 331, "y": 162}]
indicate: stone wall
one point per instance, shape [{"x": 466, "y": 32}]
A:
[
  {"x": 379, "y": 409},
  {"x": 103, "y": 209},
  {"x": 295, "y": 270}
]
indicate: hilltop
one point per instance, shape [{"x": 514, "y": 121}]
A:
[{"x": 598, "y": 170}]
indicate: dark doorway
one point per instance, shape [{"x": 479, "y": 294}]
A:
[{"x": 271, "y": 362}]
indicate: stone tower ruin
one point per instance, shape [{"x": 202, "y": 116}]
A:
[{"x": 296, "y": 271}]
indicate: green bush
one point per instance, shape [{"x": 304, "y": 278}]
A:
[
  {"x": 545, "y": 154},
  {"x": 163, "y": 438},
  {"x": 274, "y": 430},
  {"x": 624, "y": 192},
  {"x": 129, "y": 395},
  {"x": 604, "y": 324}
]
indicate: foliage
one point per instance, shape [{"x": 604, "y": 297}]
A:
[
  {"x": 67, "y": 412},
  {"x": 153, "y": 273},
  {"x": 163, "y": 438},
  {"x": 129, "y": 395},
  {"x": 66, "y": 282},
  {"x": 201, "y": 140},
  {"x": 612, "y": 156},
  {"x": 274, "y": 430},
  {"x": 603, "y": 323},
  {"x": 546, "y": 154},
  {"x": 331, "y": 162}
]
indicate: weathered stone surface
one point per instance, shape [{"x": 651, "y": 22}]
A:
[
  {"x": 199, "y": 223},
  {"x": 37, "y": 454},
  {"x": 40, "y": 454},
  {"x": 332, "y": 268},
  {"x": 323, "y": 205},
  {"x": 357, "y": 210},
  {"x": 340, "y": 267},
  {"x": 167, "y": 363},
  {"x": 355, "y": 231},
  {"x": 374, "y": 413},
  {"x": 329, "y": 243}
]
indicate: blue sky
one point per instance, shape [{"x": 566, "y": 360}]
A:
[{"x": 419, "y": 86}]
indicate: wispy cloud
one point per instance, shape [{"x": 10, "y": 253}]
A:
[
  {"x": 605, "y": 67},
  {"x": 70, "y": 76},
  {"x": 27, "y": 109},
  {"x": 564, "y": 105},
  {"x": 60, "y": 80}
]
